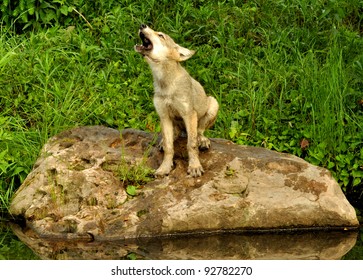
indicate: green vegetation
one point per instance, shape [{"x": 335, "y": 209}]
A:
[
  {"x": 134, "y": 176},
  {"x": 356, "y": 253},
  {"x": 287, "y": 74},
  {"x": 11, "y": 248}
]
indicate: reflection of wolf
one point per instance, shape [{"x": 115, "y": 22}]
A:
[{"x": 179, "y": 100}]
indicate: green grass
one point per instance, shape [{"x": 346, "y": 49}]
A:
[
  {"x": 282, "y": 71},
  {"x": 11, "y": 248}
]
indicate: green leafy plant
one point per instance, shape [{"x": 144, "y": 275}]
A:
[
  {"x": 131, "y": 190},
  {"x": 133, "y": 175},
  {"x": 37, "y": 13}
]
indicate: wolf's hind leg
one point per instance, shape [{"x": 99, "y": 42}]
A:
[{"x": 206, "y": 122}]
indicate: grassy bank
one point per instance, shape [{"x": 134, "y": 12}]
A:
[{"x": 287, "y": 74}]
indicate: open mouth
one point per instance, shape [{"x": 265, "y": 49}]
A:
[{"x": 146, "y": 43}]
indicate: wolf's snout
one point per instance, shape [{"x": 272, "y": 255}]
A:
[{"x": 147, "y": 45}]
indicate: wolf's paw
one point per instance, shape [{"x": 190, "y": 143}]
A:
[
  {"x": 195, "y": 171},
  {"x": 203, "y": 143},
  {"x": 163, "y": 170}
]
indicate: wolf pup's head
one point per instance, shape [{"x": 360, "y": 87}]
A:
[{"x": 157, "y": 47}]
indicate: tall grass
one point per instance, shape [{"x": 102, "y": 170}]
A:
[{"x": 282, "y": 72}]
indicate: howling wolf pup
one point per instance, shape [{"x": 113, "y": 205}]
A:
[{"x": 180, "y": 101}]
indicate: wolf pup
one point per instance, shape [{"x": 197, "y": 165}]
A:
[{"x": 180, "y": 101}]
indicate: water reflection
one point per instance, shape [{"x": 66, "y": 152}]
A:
[{"x": 283, "y": 246}]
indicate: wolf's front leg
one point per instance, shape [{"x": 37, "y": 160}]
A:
[
  {"x": 195, "y": 169},
  {"x": 168, "y": 147}
]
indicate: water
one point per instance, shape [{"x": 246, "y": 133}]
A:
[{"x": 17, "y": 243}]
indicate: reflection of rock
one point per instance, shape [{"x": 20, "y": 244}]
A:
[
  {"x": 304, "y": 245},
  {"x": 73, "y": 192}
]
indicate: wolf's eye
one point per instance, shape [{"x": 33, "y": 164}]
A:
[{"x": 161, "y": 36}]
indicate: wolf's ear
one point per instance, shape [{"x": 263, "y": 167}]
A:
[{"x": 184, "y": 53}]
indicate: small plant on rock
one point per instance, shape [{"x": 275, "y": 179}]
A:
[{"x": 134, "y": 175}]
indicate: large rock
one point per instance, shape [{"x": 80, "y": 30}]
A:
[{"x": 77, "y": 190}]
